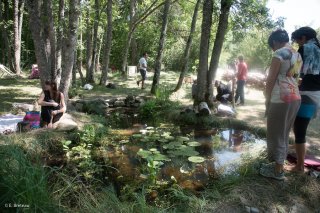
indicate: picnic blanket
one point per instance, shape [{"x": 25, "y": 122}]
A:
[{"x": 9, "y": 123}]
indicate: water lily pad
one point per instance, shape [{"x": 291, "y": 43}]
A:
[
  {"x": 160, "y": 157},
  {"x": 157, "y": 156},
  {"x": 194, "y": 143},
  {"x": 143, "y": 131},
  {"x": 165, "y": 134},
  {"x": 144, "y": 153},
  {"x": 169, "y": 137},
  {"x": 196, "y": 159},
  {"x": 123, "y": 141},
  {"x": 184, "y": 151},
  {"x": 183, "y": 139},
  {"x": 172, "y": 145},
  {"x": 163, "y": 140},
  {"x": 137, "y": 136}
]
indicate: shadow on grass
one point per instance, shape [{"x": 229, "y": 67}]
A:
[
  {"x": 10, "y": 96},
  {"x": 19, "y": 82}
]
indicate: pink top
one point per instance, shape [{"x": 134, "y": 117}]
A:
[{"x": 242, "y": 71}]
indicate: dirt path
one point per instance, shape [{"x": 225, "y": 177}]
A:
[{"x": 253, "y": 113}]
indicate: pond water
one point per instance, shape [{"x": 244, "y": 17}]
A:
[{"x": 189, "y": 157}]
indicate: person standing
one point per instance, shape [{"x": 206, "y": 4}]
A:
[
  {"x": 309, "y": 49},
  {"x": 143, "y": 69},
  {"x": 241, "y": 80},
  {"x": 282, "y": 102}
]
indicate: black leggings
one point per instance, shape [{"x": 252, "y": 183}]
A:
[{"x": 300, "y": 129}]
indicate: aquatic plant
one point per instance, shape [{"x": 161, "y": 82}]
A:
[{"x": 196, "y": 159}]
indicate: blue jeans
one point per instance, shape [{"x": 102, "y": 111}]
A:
[{"x": 240, "y": 91}]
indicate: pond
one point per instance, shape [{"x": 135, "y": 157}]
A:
[{"x": 166, "y": 155}]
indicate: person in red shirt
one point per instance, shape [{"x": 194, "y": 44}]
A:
[{"x": 241, "y": 80}]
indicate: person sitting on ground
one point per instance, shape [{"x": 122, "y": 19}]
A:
[
  {"x": 223, "y": 92},
  {"x": 143, "y": 69},
  {"x": 52, "y": 104}
]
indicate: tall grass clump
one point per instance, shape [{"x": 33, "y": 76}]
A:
[
  {"x": 161, "y": 108},
  {"x": 23, "y": 182}
]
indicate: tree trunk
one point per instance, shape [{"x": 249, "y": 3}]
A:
[
  {"x": 218, "y": 43},
  {"x": 204, "y": 51},
  {"x": 74, "y": 69},
  {"x": 89, "y": 75},
  {"x": 162, "y": 40},
  {"x": 17, "y": 23},
  {"x": 60, "y": 37},
  {"x": 79, "y": 58},
  {"x": 5, "y": 18},
  {"x": 133, "y": 4},
  {"x": 95, "y": 39},
  {"x": 39, "y": 27},
  {"x": 107, "y": 48},
  {"x": 69, "y": 46},
  {"x": 50, "y": 31},
  {"x": 134, "y": 51},
  {"x": 185, "y": 65},
  {"x": 97, "y": 61}
]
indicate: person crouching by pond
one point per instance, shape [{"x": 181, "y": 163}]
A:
[
  {"x": 224, "y": 94},
  {"x": 282, "y": 102},
  {"x": 52, "y": 104}
]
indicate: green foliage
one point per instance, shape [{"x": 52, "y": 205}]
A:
[
  {"x": 81, "y": 154},
  {"x": 24, "y": 182},
  {"x": 163, "y": 93}
]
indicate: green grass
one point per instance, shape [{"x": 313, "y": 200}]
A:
[
  {"x": 16, "y": 91},
  {"x": 24, "y": 182}
]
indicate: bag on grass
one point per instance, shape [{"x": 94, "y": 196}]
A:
[{"x": 30, "y": 121}]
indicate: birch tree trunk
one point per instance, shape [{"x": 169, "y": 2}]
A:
[
  {"x": 69, "y": 46},
  {"x": 17, "y": 25},
  {"x": 133, "y": 4},
  {"x": 185, "y": 65},
  {"x": 60, "y": 36},
  {"x": 95, "y": 40},
  {"x": 97, "y": 61},
  {"x": 74, "y": 69},
  {"x": 204, "y": 51},
  {"x": 89, "y": 75},
  {"x": 4, "y": 17},
  {"x": 158, "y": 62},
  {"x": 218, "y": 44},
  {"x": 79, "y": 58},
  {"x": 107, "y": 48}
]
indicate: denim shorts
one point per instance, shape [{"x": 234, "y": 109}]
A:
[{"x": 143, "y": 74}]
